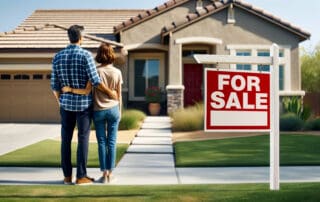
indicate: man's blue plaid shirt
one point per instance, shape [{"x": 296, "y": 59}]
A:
[{"x": 74, "y": 67}]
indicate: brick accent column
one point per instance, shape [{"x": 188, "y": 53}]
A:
[{"x": 174, "y": 97}]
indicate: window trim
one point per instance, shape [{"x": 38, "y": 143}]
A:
[
  {"x": 255, "y": 48},
  {"x": 144, "y": 56}
]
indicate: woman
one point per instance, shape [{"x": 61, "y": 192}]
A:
[{"x": 107, "y": 111}]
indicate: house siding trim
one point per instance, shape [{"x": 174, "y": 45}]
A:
[
  {"x": 139, "y": 46},
  {"x": 202, "y": 40}
]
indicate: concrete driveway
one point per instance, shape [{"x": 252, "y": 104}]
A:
[{"x": 14, "y": 136}]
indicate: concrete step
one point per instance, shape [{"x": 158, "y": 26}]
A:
[
  {"x": 154, "y": 125},
  {"x": 154, "y": 133},
  {"x": 155, "y": 161},
  {"x": 157, "y": 119},
  {"x": 152, "y": 140},
  {"x": 150, "y": 149}
]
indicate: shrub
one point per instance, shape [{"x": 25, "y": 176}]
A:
[
  {"x": 131, "y": 119},
  {"x": 290, "y": 122},
  {"x": 295, "y": 105},
  {"x": 188, "y": 119},
  {"x": 312, "y": 124}
]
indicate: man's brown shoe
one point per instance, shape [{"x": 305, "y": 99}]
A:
[
  {"x": 67, "y": 180},
  {"x": 84, "y": 181}
]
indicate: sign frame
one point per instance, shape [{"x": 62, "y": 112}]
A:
[{"x": 274, "y": 61}]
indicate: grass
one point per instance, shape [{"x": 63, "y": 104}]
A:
[
  {"x": 188, "y": 119},
  {"x": 248, "y": 151},
  {"x": 237, "y": 192},
  {"x": 47, "y": 154}
]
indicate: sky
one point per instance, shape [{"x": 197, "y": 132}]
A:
[{"x": 304, "y": 14}]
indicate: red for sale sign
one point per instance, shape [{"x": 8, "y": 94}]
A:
[{"x": 237, "y": 100}]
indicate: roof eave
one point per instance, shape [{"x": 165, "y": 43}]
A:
[
  {"x": 151, "y": 14},
  {"x": 164, "y": 34}
]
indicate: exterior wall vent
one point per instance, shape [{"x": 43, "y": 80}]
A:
[
  {"x": 199, "y": 5},
  {"x": 231, "y": 18}
]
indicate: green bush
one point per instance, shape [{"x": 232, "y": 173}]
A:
[
  {"x": 296, "y": 106},
  {"x": 313, "y": 124},
  {"x": 188, "y": 119},
  {"x": 131, "y": 119},
  {"x": 290, "y": 122}
]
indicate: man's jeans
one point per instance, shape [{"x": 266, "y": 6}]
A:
[
  {"x": 107, "y": 143},
  {"x": 68, "y": 122}
]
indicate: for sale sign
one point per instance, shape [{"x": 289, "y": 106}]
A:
[{"x": 237, "y": 100}]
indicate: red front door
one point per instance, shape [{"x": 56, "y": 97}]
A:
[{"x": 193, "y": 83}]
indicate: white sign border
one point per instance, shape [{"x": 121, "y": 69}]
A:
[{"x": 205, "y": 101}]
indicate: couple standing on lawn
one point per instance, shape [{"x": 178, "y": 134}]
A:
[{"x": 74, "y": 75}]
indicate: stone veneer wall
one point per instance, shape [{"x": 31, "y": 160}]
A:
[{"x": 174, "y": 99}]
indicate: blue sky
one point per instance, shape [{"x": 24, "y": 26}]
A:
[{"x": 304, "y": 14}]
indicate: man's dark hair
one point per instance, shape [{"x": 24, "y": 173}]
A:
[{"x": 74, "y": 33}]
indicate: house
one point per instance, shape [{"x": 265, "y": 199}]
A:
[{"x": 159, "y": 43}]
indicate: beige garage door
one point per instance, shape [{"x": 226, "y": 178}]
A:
[{"x": 27, "y": 97}]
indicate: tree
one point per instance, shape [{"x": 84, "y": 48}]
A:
[{"x": 310, "y": 70}]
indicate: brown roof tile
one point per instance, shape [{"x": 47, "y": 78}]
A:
[
  {"x": 170, "y": 3},
  {"x": 201, "y": 12},
  {"x": 218, "y": 4},
  {"x": 209, "y": 8},
  {"x": 192, "y": 16},
  {"x": 39, "y": 31},
  {"x": 161, "y": 7},
  {"x": 151, "y": 13}
]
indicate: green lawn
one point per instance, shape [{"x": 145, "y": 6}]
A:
[
  {"x": 47, "y": 154},
  {"x": 248, "y": 151},
  {"x": 244, "y": 192}
]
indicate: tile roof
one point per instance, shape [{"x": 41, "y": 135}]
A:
[
  {"x": 219, "y": 5},
  {"x": 45, "y": 28},
  {"x": 148, "y": 14}
]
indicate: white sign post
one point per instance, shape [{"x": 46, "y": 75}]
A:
[
  {"x": 274, "y": 122},
  {"x": 254, "y": 82}
]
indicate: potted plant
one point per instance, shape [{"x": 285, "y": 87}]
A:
[{"x": 153, "y": 98}]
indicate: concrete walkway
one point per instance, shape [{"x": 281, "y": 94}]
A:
[{"x": 149, "y": 160}]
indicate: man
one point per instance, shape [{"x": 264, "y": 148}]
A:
[{"x": 74, "y": 67}]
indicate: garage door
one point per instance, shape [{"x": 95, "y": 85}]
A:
[{"x": 27, "y": 97}]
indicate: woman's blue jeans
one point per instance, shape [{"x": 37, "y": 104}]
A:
[{"x": 107, "y": 120}]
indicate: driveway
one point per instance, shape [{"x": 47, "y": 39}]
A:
[{"x": 14, "y": 136}]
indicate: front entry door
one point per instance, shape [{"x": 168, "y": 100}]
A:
[{"x": 193, "y": 83}]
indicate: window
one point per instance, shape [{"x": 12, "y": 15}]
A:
[
  {"x": 281, "y": 72},
  {"x": 146, "y": 74},
  {"x": 5, "y": 76},
  {"x": 243, "y": 66},
  {"x": 49, "y": 76},
  {"x": 265, "y": 68},
  {"x": 21, "y": 77},
  {"x": 37, "y": 77}
]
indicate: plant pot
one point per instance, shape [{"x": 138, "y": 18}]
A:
[{"x": 154, "y": 109}]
